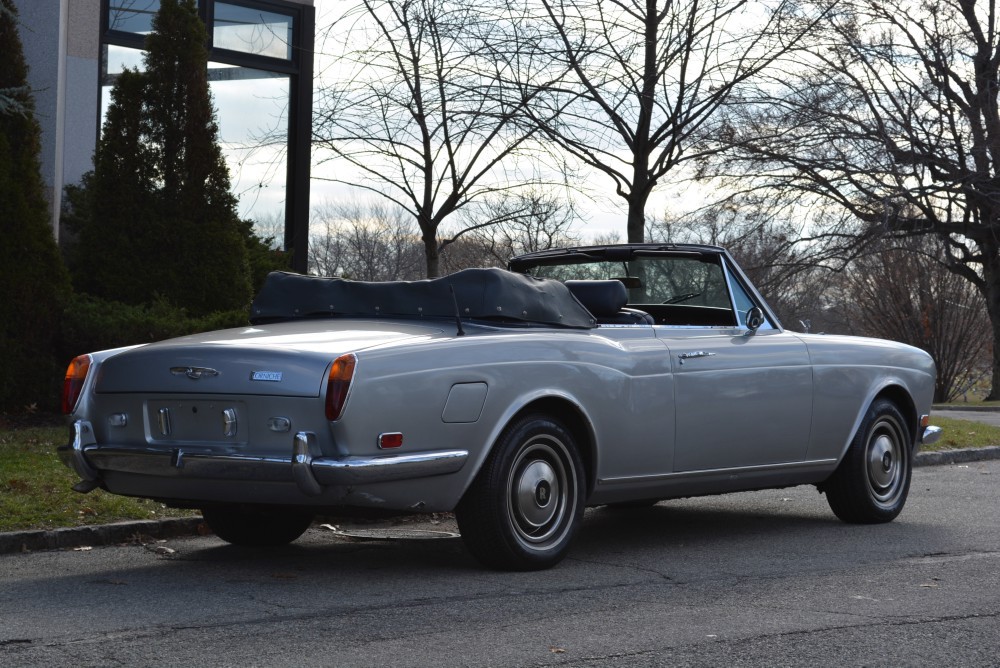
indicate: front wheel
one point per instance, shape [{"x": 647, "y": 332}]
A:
[
  {"x": 526, "y": 504},
  {"x": 873, "y": 480},
  {"x": 256, "y": 527}
]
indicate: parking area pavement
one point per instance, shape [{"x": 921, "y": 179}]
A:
[{"x": 989, "y": 416}]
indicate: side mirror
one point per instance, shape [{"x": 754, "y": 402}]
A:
[{"x": 755, "y": 318}]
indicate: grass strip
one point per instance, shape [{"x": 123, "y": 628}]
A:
[
  {"x": 35, "y": 487},
  {"x": 962, "y": 434}
]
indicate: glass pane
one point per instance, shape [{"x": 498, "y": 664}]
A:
[
  {"x": 679, "y": 280},
  {"x": 116, "y": 58},
  {"x": 252, "y": 112},
  {"x": 134, "y": 16},
  {"x": 743, "y": 302},
  {"x": 252, "y": 31},
  {"x": 653, "y": 280}
]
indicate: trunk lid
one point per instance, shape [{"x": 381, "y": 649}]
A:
[{"x": 286, "y": 359}]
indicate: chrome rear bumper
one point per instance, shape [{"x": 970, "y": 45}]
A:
[{"x": 311, "y": 474}]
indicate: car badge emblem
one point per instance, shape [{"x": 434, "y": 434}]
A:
[
  {"x": 270, "y": 376},
  {"x": 193, "y": 372}
]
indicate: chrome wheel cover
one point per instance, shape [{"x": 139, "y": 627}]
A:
[
  {"x": 886, "y": 461},
  {"x": 541, "y": 492}
]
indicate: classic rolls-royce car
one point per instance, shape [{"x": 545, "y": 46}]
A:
[{"x": 619, "y": 375}]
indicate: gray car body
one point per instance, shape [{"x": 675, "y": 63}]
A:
[{"x": 656, "y": 411}]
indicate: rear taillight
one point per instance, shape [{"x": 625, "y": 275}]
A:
[
  {"x": 338, "y": 385},
  {"x": 76, "y": 375}
]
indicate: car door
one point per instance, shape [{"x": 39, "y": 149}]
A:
[{"x": 740, "y": 399}]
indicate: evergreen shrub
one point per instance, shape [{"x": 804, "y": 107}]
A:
[{"x": 93, "y": 324}]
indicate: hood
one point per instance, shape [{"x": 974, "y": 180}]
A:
[{"x": 839, "y": 349}]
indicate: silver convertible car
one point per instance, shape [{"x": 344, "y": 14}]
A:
[{"x": 621, "y": 374}]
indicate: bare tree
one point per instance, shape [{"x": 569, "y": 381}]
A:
[
  {"x": 422, "y": 112},
  {"x": 892, "y": 118},
  {"x": 528, "y": 221},
  {"x": 646, "y": 79},
  {"x": 366, "y": 241},
  {"x": 900, "y": 291}
]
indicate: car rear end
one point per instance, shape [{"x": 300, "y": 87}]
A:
[{"x": 239, "y": 416}]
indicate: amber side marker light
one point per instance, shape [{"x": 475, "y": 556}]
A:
[
  {"x": 338, "y": 385},
  {"x": 76, "y": 375}
]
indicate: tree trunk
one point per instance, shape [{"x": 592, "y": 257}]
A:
[
  {"x": 637, "y": 205},
  {"x": 431, "y": 254},
  {"x": 991, "y": 279}
]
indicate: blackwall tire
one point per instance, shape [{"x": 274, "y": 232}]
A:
[
  {"x": 872, "y": 482},
  {"x": 525, "y": 505},
  {"x": 256, "y": 527}
]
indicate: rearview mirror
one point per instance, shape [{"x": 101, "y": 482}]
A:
[
  {"x": 630, "y": 282},
  {"x": 755, "y": 318}
]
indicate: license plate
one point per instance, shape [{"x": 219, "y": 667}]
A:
[{"x": 193, "y": 422}]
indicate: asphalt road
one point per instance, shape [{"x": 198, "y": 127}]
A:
[
  {"x": 987, "y": 417},
  {"x": 756, "y": 579}
]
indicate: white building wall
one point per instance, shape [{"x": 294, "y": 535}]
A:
[{"x": 60, "y": 40}]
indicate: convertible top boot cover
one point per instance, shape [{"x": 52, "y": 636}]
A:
[{"x": 477, "y": 294}]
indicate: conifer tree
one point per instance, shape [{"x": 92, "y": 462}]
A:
[
  {"x": 34, "y": 284},
  {"x": 156, "y": 218}
]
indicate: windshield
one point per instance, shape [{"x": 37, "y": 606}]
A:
[{"x": 696, "y": 281}]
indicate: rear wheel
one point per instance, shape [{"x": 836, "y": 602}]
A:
[
  {"x": 254, "y": 527},
  {"x": 525, "y": 505},
  {"x": 872, "y": 482}
]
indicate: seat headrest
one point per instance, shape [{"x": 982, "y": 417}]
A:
[{"x": 601, "y": 298}]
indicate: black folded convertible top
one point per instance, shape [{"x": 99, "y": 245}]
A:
[{"x": 480, "y": 294}]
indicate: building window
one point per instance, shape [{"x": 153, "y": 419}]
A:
[
  {"x": 251, "y": 30},
  {"x": 260, "y": 76},
  {"x": 132, "y": 16}
]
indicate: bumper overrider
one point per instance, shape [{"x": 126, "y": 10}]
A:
[
  {"x": 309, "y": 473},
  {"x": 930, "y": 433}
]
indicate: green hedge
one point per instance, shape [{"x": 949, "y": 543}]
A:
[{"x": 91, "y": 324}]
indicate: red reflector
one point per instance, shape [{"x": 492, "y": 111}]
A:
[
  {"x": 76, "y": 375},
  {"x": 393, "y": 440}
]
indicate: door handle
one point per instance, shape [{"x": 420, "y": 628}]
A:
[{"x": 692, "y": 355}]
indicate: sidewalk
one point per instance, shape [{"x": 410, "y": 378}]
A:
[{"x": 145, "y": 530}]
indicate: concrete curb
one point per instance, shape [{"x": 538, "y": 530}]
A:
[
  {"x": 957, "y": 456},
  {"x": 99, "y": 534},
  {"x": 123, "y": 532},
  {"x": 970, "y": 409}
]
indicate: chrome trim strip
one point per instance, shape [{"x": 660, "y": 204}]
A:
[
  {"x": 163, "y": 421},
  {"x": 230, "y": 424},
  {"x": 710, "y": 472},
  {"x": 931, "y": 435},
  {"x": 361, "y": 470}
]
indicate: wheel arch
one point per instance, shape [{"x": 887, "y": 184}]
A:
[
  {"x": 898, "y": 395},
  {"x": 892, "y": 391},
  {"x": 576, "y": 421}
]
